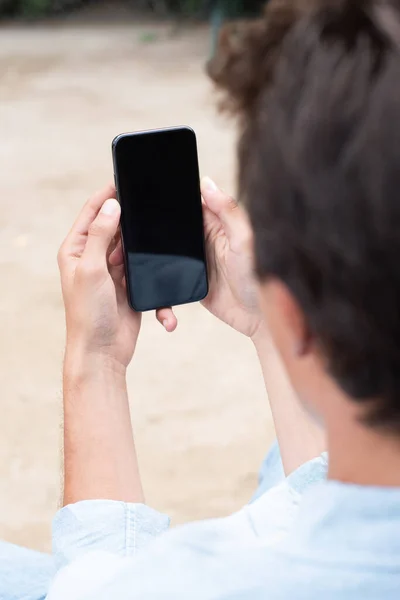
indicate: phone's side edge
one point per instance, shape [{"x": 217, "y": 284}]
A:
[
  {"x": 202, "y": 218},
  {"x": 124, "y": 252}
]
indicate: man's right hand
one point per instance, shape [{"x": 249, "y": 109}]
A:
[{"x": 233, "y": 295}]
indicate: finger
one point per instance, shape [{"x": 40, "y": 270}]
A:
[
  {"x": 115, "y": 241},
  {"x": 75, "y": 242},
  {"x": 118, "y": 276},
  {"x": 167, "y": 319},
  {"x": 116, "y": 257},
  {"x": 101, "y": 232},
  {"x": 211, "y": 221},
  {"x": 90, "y": 210},
  {"x": 233, "y": 218}
]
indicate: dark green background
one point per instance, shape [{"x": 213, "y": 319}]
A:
[{"x": 198, "y": 8}]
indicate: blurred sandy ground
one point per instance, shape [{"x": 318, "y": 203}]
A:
[{"x": 199, "y": 409}]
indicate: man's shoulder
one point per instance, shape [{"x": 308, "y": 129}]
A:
[
  {"x": 266, "y": 520},
  {"x": 219, "y": 557}
]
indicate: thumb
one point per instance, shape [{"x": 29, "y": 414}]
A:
[
  {"x": 102, "y": 231},
  {"x": 224, "y": 207}
]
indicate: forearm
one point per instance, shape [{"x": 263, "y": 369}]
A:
[
  {"x": 99, "y": 454},
  {"x": 300, "y": 437}
]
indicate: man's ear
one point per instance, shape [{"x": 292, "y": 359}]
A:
[{"x": 286, "y": 320}]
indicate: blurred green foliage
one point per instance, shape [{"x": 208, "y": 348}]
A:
[
  {"x": 31, "y": 8},
  {"x": 36, "y": 8}
]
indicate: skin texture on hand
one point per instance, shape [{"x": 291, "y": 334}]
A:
[
  {"x": 233, "y": 295},
  {"x": 98, "y": 317}
]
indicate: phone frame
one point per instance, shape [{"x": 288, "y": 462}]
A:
[{"x": 116, "y": 181}]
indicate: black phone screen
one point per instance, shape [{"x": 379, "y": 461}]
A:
[{"x": 157, "y": 179}]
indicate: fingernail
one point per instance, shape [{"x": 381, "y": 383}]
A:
[
  {"x": 110, "y": 207},
  {"x": 209, "y": 184},
  {"x": 165, "y": 324}
]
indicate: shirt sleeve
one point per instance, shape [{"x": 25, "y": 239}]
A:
[
  {"x": 207, "y": 559},
  {"x": 117, "y": 528}
]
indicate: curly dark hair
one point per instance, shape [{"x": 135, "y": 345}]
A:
[{"x": 316, "y": 86}]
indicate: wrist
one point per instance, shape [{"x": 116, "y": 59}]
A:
[
  {"x": 99, "y": 452},
  {"x": 82, "y": 366}
]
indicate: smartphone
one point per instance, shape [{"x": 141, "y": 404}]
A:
[{"x": 158, "y": 187}]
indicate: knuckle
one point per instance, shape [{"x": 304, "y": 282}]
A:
[
  {"x": 231, "y": 203},
  {"x": 88, "y": 270},
  {"x": 96, "y": 229}
]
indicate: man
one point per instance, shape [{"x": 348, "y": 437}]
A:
[{"x": 319, "y": 157}]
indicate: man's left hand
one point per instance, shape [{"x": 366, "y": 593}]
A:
[{"x": 100, "y": 322}]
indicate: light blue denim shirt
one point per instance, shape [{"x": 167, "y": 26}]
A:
[
  {"x": 301, "y": 539},
  {"x": 24, "y": 574}
]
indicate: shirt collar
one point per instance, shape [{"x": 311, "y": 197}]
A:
[{"x": 361, "y": 519}]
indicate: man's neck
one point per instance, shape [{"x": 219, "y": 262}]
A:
[{"x": 362, "y": 456}]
